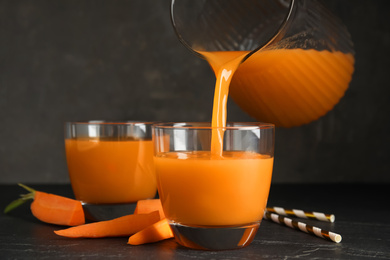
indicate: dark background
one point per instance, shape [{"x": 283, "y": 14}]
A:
[{"x": 68, "y": 60}]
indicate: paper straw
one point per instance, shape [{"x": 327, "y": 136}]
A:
[
  {"x": 303, "y": 227},
  {"x": 302, "y": 214}
]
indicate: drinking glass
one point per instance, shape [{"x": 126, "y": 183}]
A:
[
  {"x": 214, "y": 201},
  {"x": 110, "y": 165}
]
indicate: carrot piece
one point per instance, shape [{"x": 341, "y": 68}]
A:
[
  {"x": 51, "y": 208},
  {"x": 122, "y": 226},
  {"x": 156, "y": 232},
  {"x": 147, "y": 206},
  {"x": 56, "y": 209}
]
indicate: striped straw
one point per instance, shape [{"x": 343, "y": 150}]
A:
[
  {"x": 302, "y": 214},
  {"x": 303, "y": 227}
]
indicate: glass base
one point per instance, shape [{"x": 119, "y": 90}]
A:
[
  {"x": 214, "y": 238},
  {"x": 100, "y": 212}
]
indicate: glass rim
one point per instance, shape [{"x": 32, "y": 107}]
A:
[
  {"x": 207, "y": 125},
  {"x": 104, "y": 122}
]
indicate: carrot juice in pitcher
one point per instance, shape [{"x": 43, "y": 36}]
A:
[{"x": 291, "y": 87}]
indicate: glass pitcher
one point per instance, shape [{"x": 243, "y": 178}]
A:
[{"x": 300, "y": 60}]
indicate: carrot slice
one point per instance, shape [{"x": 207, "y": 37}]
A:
[
  {"x": 122, "y": 226},
  {"x": 147, "y": 206},
  {"x": 156, "y": 232},
  {"x": 56, "y": 209},
  {"x": 51, "y": 208}
]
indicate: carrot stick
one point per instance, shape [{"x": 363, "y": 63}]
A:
[
  {"x": 156, "y": 232},
  {"x": 147, "y": 206},
  {"x": 122, "y": 226},
  {"x": 51, "y": 208}
]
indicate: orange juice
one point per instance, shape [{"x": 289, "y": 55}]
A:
[
  {"x": 224, "y": 65},
  {"x": 104, "y": 171},
  {"x": 291, "y": 87},
  {"x": 197, "y": 189}
]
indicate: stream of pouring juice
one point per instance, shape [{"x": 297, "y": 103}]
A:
[
  {"x": 107, "y": 171},
  {"x": 224, "y": 65}
]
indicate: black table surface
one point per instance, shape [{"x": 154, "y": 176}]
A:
[{"x": 361, "y": 210}]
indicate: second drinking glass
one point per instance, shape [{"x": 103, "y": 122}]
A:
[
  {"x": 110, "y": 165},
  {"x": 214, "y": 199}
]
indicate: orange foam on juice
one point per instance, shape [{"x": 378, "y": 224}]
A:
[
  {"x": 291, "y": 87},
  {"x": 199, "y": 190},
  {"x": 107, "y": 171}
]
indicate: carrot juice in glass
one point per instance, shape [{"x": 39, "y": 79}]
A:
[
  {"x": 214, "y": 199},
  {"x": 110, "y": 165}
]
